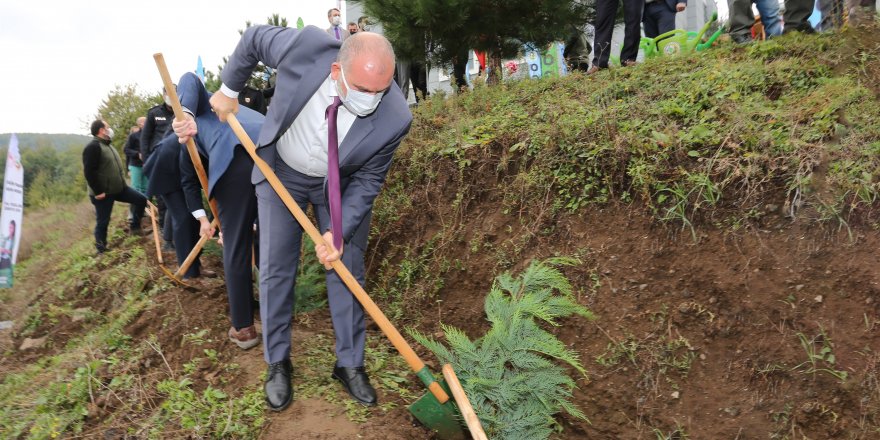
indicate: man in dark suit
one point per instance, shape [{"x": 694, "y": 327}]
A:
[
  {"x": 324, "y": 94},
  {"x": 229, "y": 170},
  {"x": 606, "y": 11},
  {"x": 162, "y": 169},
  {"x": 659, "y": 16}
]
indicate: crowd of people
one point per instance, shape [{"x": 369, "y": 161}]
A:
[{"x": 654, "y": 18}]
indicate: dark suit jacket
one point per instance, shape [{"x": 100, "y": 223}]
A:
[
  {"x": 215, "y": 141},
  {"x": 162, "y": 168},
  {"x": 132, "y": 149},
  {"x": 302, "y": 60}
]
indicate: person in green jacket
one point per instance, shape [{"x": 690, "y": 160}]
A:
[{"x": 105, "y": 174}]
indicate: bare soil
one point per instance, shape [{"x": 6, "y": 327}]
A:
[{"x": 714, "y": 336}]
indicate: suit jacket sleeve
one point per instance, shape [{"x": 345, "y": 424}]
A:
[
  {"x": 361, "y": 192},
  {"x": 189, "y": 181},
  {"x": 266, "y": 44},
  {"x": 192, "y": 94}
]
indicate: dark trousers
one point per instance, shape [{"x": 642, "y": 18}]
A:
[
  {"x": 419, "y": 75},
  {"x": 797, "y": 15},
  {"x": 658, "y": 18},
  {"x": 237, "y": 209},
  {"x": 280, "y": 240},
  {"x": 104, "y": 207},
  {"x": 185, "y": 230},
  {"x": 164, "y": 221},
  {"x": 606, "y": 10}
]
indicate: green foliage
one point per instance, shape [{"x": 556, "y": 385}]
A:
[
  {"x": 211, "y": 413},
  {"x": 260, "y": 78},
  {"x": 510, "y": 374},
  {"x": 727, "y": 132},
  {"x": 311, "y": 285},
  {"x": 387, "y": 369},
  {"x": 820, "y": 356},
  {"x": 121, "y": 108},
  {"x": 52, "y": 168}
]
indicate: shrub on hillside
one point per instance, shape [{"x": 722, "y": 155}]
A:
[{"x": 513, "y": 374}]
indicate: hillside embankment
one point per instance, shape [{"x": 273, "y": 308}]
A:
[{"x": 722, "y": 207}]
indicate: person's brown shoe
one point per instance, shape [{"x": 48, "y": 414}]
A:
[
  {"x": 629, "y": 63},
  {"x": 593, "y": 70},
  {"x": 245, "y": 338}
]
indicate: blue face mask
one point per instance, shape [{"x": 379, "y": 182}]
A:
[{"x": 357, "y": 102}]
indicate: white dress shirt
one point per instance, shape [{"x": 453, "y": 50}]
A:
[{"x": 303, "y": 146}]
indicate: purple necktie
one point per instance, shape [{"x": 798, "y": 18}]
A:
[
  {"x": 333, "y": 192},
  {"x": 336, "y": 28}
]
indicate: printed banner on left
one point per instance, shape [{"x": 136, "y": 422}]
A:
[{"x": 10, "y": 218}]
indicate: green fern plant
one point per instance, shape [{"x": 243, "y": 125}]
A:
[
  {"x": 512, "y": 374},
  {"x": 311, "y": 287}
]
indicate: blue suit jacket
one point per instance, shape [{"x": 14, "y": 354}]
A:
[
  {"x": 302, "y": 60},
  {"x": 215, "y": 141},
  {"x": 162, "y": 168}
]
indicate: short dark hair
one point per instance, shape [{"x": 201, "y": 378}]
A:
[
  {"x": 97, "y": 126},
  {"x": 333, "y": 9}
]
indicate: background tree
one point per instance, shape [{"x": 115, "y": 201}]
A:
[
  {"x": 121, "y": 108},
  {"x": 52, "y": 167},
  {"x": 442, "y": 32},
  {"x": 261, "y": 78}
]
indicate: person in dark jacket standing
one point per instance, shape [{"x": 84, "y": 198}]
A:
[
  {"x": 133, "y": 160},
  {"x": 157, "y": 125},
  {"x": 606, "y": 11},
  {"x": 659, "y": 16},
  {"x": 105, "y": 175}
]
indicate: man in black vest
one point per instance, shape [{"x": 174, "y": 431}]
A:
[{"x": 104, "y": 172}]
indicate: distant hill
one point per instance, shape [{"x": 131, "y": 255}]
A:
[{"x": 59, "y": 142}]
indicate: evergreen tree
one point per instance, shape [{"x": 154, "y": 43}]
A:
[
  {"x": 512, "y": 374},
  {"x": 442, "y": 32},
  {"x": 121, "y": 108},
  {"x": 260, "y": 78}
]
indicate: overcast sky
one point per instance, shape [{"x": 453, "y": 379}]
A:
[{"x": 60, "y": 58}]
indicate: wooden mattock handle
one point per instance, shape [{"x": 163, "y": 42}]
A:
[{"x": 190, "y": 145}]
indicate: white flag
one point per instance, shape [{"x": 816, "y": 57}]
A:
[{"x": 10, "y": 218}]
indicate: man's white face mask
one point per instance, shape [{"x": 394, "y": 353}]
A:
[
  {"x": 335, "y": 20},
  {"x": 357, "y": 102},
  {"x": 109, "y": 132}
]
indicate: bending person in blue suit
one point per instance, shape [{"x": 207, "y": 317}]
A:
[
  {"x": 327, "y": 94},
  {"x": 162, "y": 169},
  {"x": 229, "y": 169}
]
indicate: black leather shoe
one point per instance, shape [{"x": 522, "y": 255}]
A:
[
  {"x": 279, "y": 392},
  {"x": 356, "y": 382}
]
